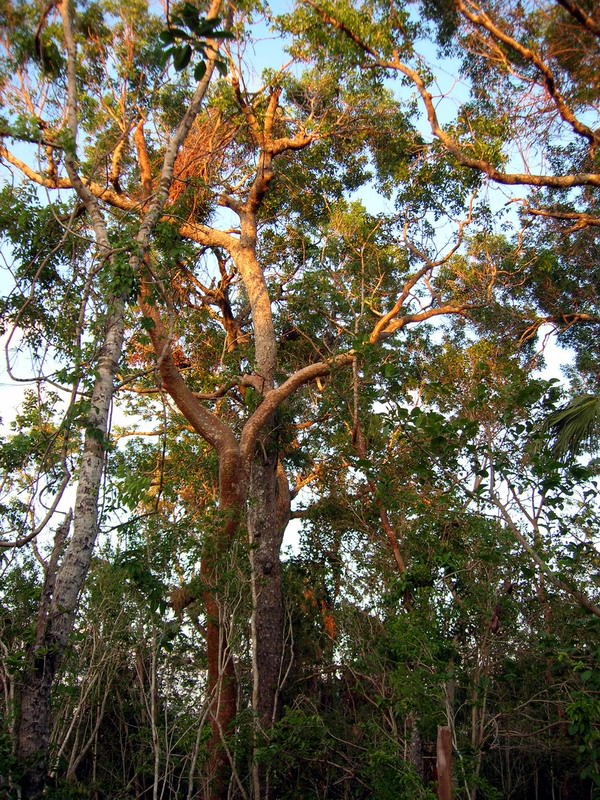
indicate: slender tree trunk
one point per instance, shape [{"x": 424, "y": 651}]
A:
[
  {"x": 56, "y": 616},
  {"x": 59, "y": 603},
  {"x": 267, "y": 623},
  {"x": 222, "y": 690},
  {"x": 222, "y": 686},
  {"x": 56, "y": 621},
  {"x": 444, "y": 763},
  {"x": 415, "y": 752}
]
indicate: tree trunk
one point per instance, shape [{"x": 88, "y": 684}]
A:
[
  {"x": 416, "y": 746},
  {"x": 222, "y": 685},
  {"x": 444, "y": 763},
  {"x": 56, "y": 616},
  {"x": 33, "y": 728},
  {"x": 267, "y": 620},
  {"x": 222, "y": 691},
  {"x": 56, "y": 622},
  {"x": 268, "y": 514}
]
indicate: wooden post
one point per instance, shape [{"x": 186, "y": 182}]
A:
[{"x": 444, "y": 763}]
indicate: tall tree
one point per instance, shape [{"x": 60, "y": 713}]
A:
[
  {"x": 274, "y": 316},
  {"x": 65, "y": 576}
]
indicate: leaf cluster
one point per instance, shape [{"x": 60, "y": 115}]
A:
[{"x": 188, "y": 33}]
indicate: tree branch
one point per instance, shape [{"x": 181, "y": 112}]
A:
[
  {"x": 581, "y": 598},
  {"x": 481, "y": 19},
  {"x": 273, "y": 400},
  {"x": 204, "y": 422},
  {"x": 396, "y": 325},
  {"x": 453, "y": 147},
  {"x": 580, "y": 219},
  {"x": 581, "y": 16}
]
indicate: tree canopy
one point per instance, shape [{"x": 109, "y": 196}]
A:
[{"x": 289, "y": 509}]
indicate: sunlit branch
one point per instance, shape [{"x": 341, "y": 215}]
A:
[
  {"x": 451, "y": 145},
  {"x": 480, "y": 18},
  {"x": 579, "y": 219}
]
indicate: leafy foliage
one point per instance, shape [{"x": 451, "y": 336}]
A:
[
  {"x": 187, "y": 33},
  {"x": 575, "y": 425}
]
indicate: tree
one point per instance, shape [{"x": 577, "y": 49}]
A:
[
  {"x": 238, "y": 290},
  {"x": 64, "y": 582}
]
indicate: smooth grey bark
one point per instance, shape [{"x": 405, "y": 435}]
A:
[
  {"x": 64, "y": 582},
  {"x": 56, "y": 615}
]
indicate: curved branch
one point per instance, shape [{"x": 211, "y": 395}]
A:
[
  {"x": 220, "y": 392},
  {"x": 204, "y": 422},
  {"x": 382, "y": 325},
  {"x": 580, "y": 219},
  {"x": 561, "y": 322},
  {"x": 479, "y": 164},
  {"x": 166, "y": 176},
  {"x": 120, "y": 201},
  {"x": 276, "y": 397},
  {"x": 453, "y": 147},
  {"x": 481, "y": 19},
  {"x": 396, "y": 325},
  {"x": 580, "y": 15}
]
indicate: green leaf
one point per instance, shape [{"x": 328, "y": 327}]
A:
[
  {"x": 177, "y": 33},
  {"x": 575, "y": 425},
  {"x": 147, "y": 324},
  {"x": 200, "y": 70},
  {"x": 181, "y": 57}
]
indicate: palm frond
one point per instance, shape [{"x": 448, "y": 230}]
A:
[{"x": 575, "y": 427}]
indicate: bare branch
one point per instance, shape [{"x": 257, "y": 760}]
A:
[
  {"x": 581, "y": 598},
  {"x": 481, "y": 19},
  {"x": 579, "y": 219}
]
